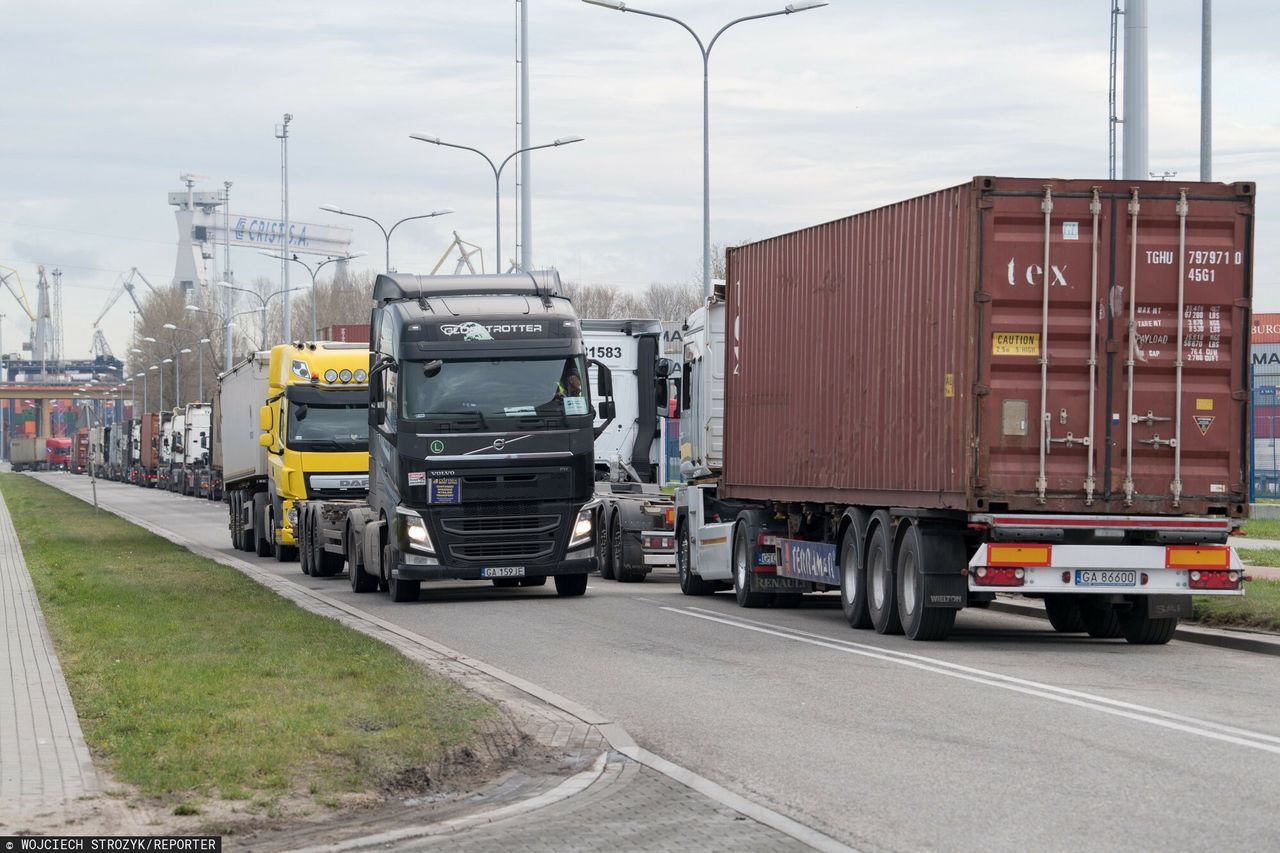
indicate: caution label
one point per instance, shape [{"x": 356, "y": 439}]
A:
[
  {"x": 1204, "y": 422},
  {"x": 1015, "y": 343}
]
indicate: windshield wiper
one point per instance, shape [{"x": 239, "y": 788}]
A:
[{"x": 476, "y": 413}]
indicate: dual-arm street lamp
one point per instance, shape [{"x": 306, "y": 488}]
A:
[
  {"x": 313, "y": 270},
  {"x": 497, "y": 176},
  {"x": 386, "y": 232},
  {"x": 706, "y": 116},
  {"x": 263, "y": 300}
]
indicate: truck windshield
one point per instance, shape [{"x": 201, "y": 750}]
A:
[
  {"x": 500, "y": 387},
  {"x": 315, "y": 426}
]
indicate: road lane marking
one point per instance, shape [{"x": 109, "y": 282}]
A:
[{"x": 1065, "y": 696}]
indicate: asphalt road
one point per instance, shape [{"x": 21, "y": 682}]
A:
[{"x": 1005, "y": 737}]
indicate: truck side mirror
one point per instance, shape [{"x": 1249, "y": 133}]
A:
[
  {"x": 264, "y": 419},
  {"x": 376, "y": 415},
  {"x": 664, "y": 368},
  {"x": 607, "y": 410},
  {"x": 264, "y": 439}
]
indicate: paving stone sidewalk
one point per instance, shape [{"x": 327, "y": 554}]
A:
[{"x": 44, "y": 762}]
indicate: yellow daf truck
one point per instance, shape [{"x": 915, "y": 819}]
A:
[{"x": 293, "y": 426}]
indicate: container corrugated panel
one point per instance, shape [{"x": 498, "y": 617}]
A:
[
  {"x": 355, "y": 333},
  {"x": 894, "y": 358}
]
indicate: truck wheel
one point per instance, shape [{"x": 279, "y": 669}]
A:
[
  {"x": 401, "y": 590},
  {"x": 329, "y": 563},
  {"x": 570, "y": 585},
  {"x": 233, "y": 522},
  {"x": 1064, "y": 614},
  {"x": 622, "y": 570},
  {"x": 1101, "y": 621},
  {"x": 881, "y": 587},
  {"x": 604, "y": 551},
  {"x": 744, "y": 534},
  {"x": 1141, "y": 629},
  {"x": 261, "y": 544},
  {"x": 853, "y": 581},
  {"x": 361, "y": 581},
  {"x": 690, "y": 584},
  {"x": 304, "y": 545},
  {"x": 918, "y": 621}
]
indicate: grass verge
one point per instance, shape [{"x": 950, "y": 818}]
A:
[
  {"x": 1259, "y": 528},
  {"x": 1258, "y": 608},
  {"x": 193, "y": 681}
]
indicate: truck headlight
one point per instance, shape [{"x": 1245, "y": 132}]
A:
[
  {"x": 300, "y": 369},
  {"x": 582, "y": 529},
  {"x": 292, "y": 515},
  {"x": 415, "y": 530}
]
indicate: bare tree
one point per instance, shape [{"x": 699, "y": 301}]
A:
[{"x": 669, "y": 301}]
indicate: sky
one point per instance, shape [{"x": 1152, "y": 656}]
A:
[{"x": 814, "y": 116}]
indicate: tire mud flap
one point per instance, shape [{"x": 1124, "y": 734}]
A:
[
  {"x": 1166, "y": 606},
  {"x": 945, "y": 591}
]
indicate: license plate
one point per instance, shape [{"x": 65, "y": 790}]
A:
[
  {"x": 503, "y": 572},
  {"x": 1103, "y": 577},
  {"x": 767, "y": 558}
]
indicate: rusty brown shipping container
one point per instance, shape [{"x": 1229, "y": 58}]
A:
[
  {"x": 150, "y": 436},
  {"x": 907, "y": 356}
]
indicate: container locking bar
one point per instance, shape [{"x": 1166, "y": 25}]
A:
[
  {"x": 1046, "y": 206},
  {"x": 1090, "y": 484},
  {"x": 1134, "y": 208},
  {"x": 1176, "y": 486}
]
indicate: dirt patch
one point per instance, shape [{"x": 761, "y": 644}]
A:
[{"x": 500, "y": 764}]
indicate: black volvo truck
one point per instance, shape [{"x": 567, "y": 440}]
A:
[{"x": 481, "y": 458}]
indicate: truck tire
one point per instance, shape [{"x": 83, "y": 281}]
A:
[
  {"x": 919, "y": 622},
  {"x": 570, "y": 585},
  {"x": 744, "y": 534},
  {"x": 1141, "y": 629},
  {"x": 400, "y": 590},
  {"x": 328, "y": 562},
  {"x": 853, "y": 581},
  {"x": 233, "y": 522},
  {"x": 261, "y": 544},
  {"x": 1064, "y": 614},
  {"x": 604, "y": 549},
  {"x": 1101, "y": 621},
  {"x": 361, "y": 581},
  {"x": 690, "y": 583},
  {"x": 304, "y": 544},
  {"x": 622, "y": 570},
  {"x": 882, "y": 589}
]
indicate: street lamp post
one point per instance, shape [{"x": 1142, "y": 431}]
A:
[
  {"x": 160, "y": 373},
  {"x": 706, "y": 113},
  {"x": 497, "y": 177},
  {"x": 386, "y": 232},
  {"x": 313, "y": 271},
  {"x": 199, "y": 352},
  {"x": 261, "y": 299}
]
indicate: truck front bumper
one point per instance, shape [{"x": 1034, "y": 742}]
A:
[{"x": 420, "y": 571}]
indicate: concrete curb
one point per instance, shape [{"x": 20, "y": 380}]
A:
[
  {"x": 1265, "y": 644},
  {"x": 617, "y": 737}
]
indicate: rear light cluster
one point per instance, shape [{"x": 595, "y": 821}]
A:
[
  {"x": 652, "y": 542},
  {"x": 1214, "y": 579},
  {"x": 998, "y": 576}
]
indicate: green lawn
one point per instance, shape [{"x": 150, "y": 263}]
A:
[
  {"x": 1259, "y": 528},
  {"x": 192, "y": 681}
]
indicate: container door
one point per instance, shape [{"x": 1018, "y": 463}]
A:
[
  {"x": 1088, "y": 297},
  {"x": 1042, "y": 339},
  {"x": 1178, "y": 423}
]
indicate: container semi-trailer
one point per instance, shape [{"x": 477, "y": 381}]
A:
[
  {"x": 1013, "y": 385},
  {"x": 480, "y": 430},
  {"x": 26, "y": 452}
]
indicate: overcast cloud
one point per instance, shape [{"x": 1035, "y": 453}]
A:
[{"x": 814, "y": 116}]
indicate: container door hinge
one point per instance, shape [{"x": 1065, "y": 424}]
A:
[{"x": 980, "y": 390}]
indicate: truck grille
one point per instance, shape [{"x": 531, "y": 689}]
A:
[
  {"x": 466, "y": 526},
  {"x": 506, "y": 531},
  {"x": 503, "y": 550}
]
